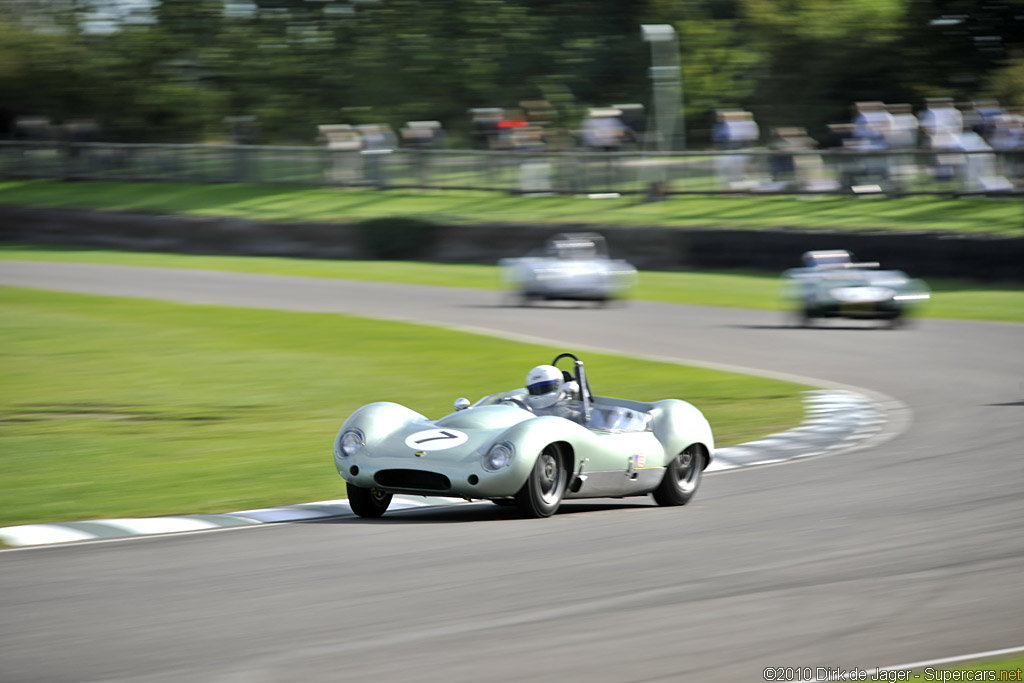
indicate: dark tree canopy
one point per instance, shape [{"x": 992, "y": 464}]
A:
[{"x": 173, "y": 70}]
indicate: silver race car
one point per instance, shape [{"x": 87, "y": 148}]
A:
[
  {"x": 501, "y": 449},
  {"x": 572, "y": 267},
  {"x": 832, "y": 285}
]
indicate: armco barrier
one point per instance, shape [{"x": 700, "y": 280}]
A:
[{"x": 923, "y": 254}]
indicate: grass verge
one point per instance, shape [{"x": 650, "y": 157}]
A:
[
  {"x": 957, "y": 299},
  {"x": 1008, "y": 669},
  {"x": 115, "y": 407},
  {"x": 297, "y": 203}
]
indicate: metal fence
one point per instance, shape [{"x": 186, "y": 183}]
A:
[{"x": 756, "y": 171}]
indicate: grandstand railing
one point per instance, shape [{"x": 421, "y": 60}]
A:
[{"x": 754, "y": 171}]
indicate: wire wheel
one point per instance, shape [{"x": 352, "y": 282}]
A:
[
  {"x": 368, "y": 502},
  {"x": 543, "y": 491},
  {"x": 682, "y": 477}
]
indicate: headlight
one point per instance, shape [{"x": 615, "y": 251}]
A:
[
  {"x": 350, "y": 442},
  {"x": 499, "y": 457}
]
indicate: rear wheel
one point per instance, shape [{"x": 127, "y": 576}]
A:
[
  {"x": 806, "y": 317},
  {"x": 526, "y": 299},
  {"x": 682, "y": 476},
  {"x": 366, "y": 502},
  {"x": 542, "y": 493}
]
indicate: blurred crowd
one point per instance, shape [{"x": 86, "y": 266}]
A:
[
  {"x": 883, "y": 147},
  {"x": 974, "y": 147}
]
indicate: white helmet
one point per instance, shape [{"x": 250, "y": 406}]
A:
[{"x": 544, "y": 384}]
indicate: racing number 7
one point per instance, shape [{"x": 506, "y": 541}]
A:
[{"x": 446, "y": 437}]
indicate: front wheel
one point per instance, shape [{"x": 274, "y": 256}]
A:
[
  {"x": 681, "y": 478},
  {"x": 366, "y": 502},
  {"x": 804, "y": 317},
  {"x": 542, "y": 493}
]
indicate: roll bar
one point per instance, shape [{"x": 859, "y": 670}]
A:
[{"x": 581, "y": 379}]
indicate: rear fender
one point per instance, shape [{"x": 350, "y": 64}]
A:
[{"x": 678, "y": 425}]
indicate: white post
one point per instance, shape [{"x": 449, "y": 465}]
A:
[{"x": 667, "y": 85}]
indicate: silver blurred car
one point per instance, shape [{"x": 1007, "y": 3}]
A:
[
  {"x": 572, "y": 267},
  {"x": 832, "y": 285}
]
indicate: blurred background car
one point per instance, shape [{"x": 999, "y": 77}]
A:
[
  {"x": 572, "y": 267},
  {"x": 832, "y": 285}
]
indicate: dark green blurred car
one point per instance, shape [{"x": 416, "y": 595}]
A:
[{"x": 832, "y": 285}]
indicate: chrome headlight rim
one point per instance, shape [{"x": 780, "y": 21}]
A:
[
  {"x": 350, "y": 442},
  {"x": 499, "y": 456}
]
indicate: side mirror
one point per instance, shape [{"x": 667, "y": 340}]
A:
[{"x": 461, "y": 403}]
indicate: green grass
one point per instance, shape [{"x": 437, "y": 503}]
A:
[
  {"x": 951, "y": 298},
  {"x": 119, "y": 407},
  {"x": 1010, "y": 668},
  {"x": 290, "y": 203},
  {"x": 1011, "y": 665}
]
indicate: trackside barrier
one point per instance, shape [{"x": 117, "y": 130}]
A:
[
  {"x": 923, "y": 254},
  {"x": 754, "y": 171}
]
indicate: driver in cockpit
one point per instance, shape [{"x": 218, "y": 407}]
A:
[{"x": 548, "y": 393}]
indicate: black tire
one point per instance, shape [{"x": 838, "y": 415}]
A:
[
  {"x": 543, "y": 491},
  {"x": 515, "y": 299},
  {"x": 370, "y": 503},
  {"x": 682, "y": 476}
]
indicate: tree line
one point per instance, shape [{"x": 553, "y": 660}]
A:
[{"x": 175, "y": 70}]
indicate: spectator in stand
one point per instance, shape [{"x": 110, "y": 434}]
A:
[
  {"x": 790, "y": 171},
  {"x": 720, "y": 131},
  {"x": 971, "y": 118},
  {"x": 989, "y": 112},
  {"x": 978, "y": 170},
  {"x": 872, "y": 125},
  {"x": 1007, "y": 139},
  {"x": 378, "y": 141},
  {"x": 903, "y": 136},
  {"x": 747, "y": 130},
  {"x": 420, "y": 136},
  {"x": 1008, "y": 133},
  {"x": 734, "y": 130},
  {"x": 872, "y": 130},
  {"x": 941, "y": 125},
  {"x": 603, "y": 130},
  {"x": 721, "y": 139},
  {"x": 840, "y": 138},
  {"x": 940, "y": 122},
  {"x": 903, "y": 133}
]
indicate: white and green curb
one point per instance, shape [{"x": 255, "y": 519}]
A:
[{"x": 837, "y": 421}]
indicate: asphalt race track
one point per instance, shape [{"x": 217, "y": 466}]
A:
[{"x": 907, "y": 551}]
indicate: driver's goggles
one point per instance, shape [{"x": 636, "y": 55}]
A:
[{"x": 541, "y": 388}]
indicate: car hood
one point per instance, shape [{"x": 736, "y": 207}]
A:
[
  {"x": 485, "y": 417},
  {"x": 862, "y": 294}
]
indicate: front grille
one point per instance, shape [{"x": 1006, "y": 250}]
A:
[{"x": 412, "y": 479}]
